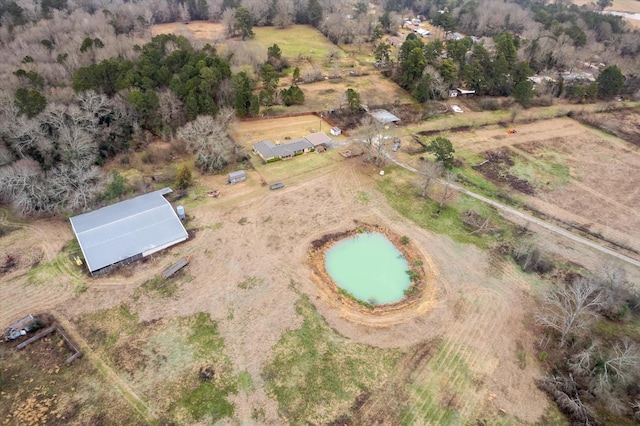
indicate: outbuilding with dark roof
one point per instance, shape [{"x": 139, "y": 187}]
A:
[{"x": 126, "y": 231}]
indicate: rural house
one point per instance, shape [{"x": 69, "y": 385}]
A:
[{"x": 269, "y": 152}]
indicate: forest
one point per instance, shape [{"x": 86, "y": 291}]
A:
[{"x": 83, "y": 81}]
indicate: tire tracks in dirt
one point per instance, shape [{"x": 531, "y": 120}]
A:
[
  {"x": 456, "y": 357},
  {"x": 109, "y": 374},
  {"x": 626, "y": 209}
]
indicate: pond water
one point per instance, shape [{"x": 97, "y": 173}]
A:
[{"x": 369, "y": 267}]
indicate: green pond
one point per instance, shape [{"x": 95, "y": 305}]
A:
[{"x": 369, "y": 267}]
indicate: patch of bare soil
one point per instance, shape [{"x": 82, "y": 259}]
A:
[
  {"x": 496, "y": 168},
  {"x": 204, "y": 31}
]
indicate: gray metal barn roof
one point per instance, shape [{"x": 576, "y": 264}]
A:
[
  {"x": 384, "y": 116},
  {"x": 139, "y": 226}
]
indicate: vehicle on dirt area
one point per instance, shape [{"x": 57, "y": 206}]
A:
[
  {"x": 22, "y": 327},
  {"x": 277, "y": 185}
]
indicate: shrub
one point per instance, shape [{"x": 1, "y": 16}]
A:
[
  {"x": 116, "y": 188},
  {"x": 404, "y": 240},
  {"x": 184, "y": 177},
  {"x": 148, "y": 157},
  {"x": 489, "y": 104},
  {"x": 413, "y": 276},
  {"x": 544, "y": 100}
]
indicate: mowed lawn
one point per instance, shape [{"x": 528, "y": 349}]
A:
[{"x": 296, "y": 41}]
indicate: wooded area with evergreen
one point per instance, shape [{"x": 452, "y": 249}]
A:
[{"x": 79, "y": 87}]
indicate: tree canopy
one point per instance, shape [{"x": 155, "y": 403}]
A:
[
  {"x": 610, "y": 82},
  {"x": 443, "y": 150}
]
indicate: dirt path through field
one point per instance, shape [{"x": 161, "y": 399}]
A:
[{"x": 110, "y": 376}]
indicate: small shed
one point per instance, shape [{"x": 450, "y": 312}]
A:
[
  {"x": 335, "y": 131},
  {"x": 465, "y": 92},
  {"x": 235, "y": 177}
]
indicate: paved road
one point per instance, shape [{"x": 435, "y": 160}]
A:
[{"x": 532, "y": 219}]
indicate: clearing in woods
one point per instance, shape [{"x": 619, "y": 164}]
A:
[{"x": 305, "y": 47}]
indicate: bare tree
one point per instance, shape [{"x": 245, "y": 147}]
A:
[
  {"x": 6, "y": 157},
  {"x": 206, "y": 137},
  {"x": 620, "y": 366},
  {"x": 369, "y": 135},
  {"x": 449, "y": 178},
  {"x": 429, "y": 171},
  {"x": 171, "y": 109},
  {"x": 337, "y": 28},
  {"x": 228, "y": 21},
  {"x": 564, "y": 390},
  {"x": 284, "y": 13},
  {"x": 74, "y": 186},
  {"x": 568, "y": 309},
  {"x": 259, "y": 10}
]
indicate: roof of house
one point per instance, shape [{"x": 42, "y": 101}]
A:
[
  {"x": 267, "y": 149},
  {"x": 383, "y": 116},
  {"x": 318, "y": 138},
  {"x": 128, "y": 228}
]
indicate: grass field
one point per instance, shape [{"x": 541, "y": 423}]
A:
[
  {"x": 178, "y": 367},
  {"x": 297, "y": 42},
  {"x": 315, "y": 374}
]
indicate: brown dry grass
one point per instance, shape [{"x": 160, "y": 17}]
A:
[
  {"x": 206, "y": 32},
  {"x": 601, "y": 193},
  {"x": 319, "y": 96}
]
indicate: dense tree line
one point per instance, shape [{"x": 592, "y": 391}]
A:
[
  {"x": 592, "y": 362},
  {"x": 424, "y": 70},
  {"x": 195, "y": 77}
]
